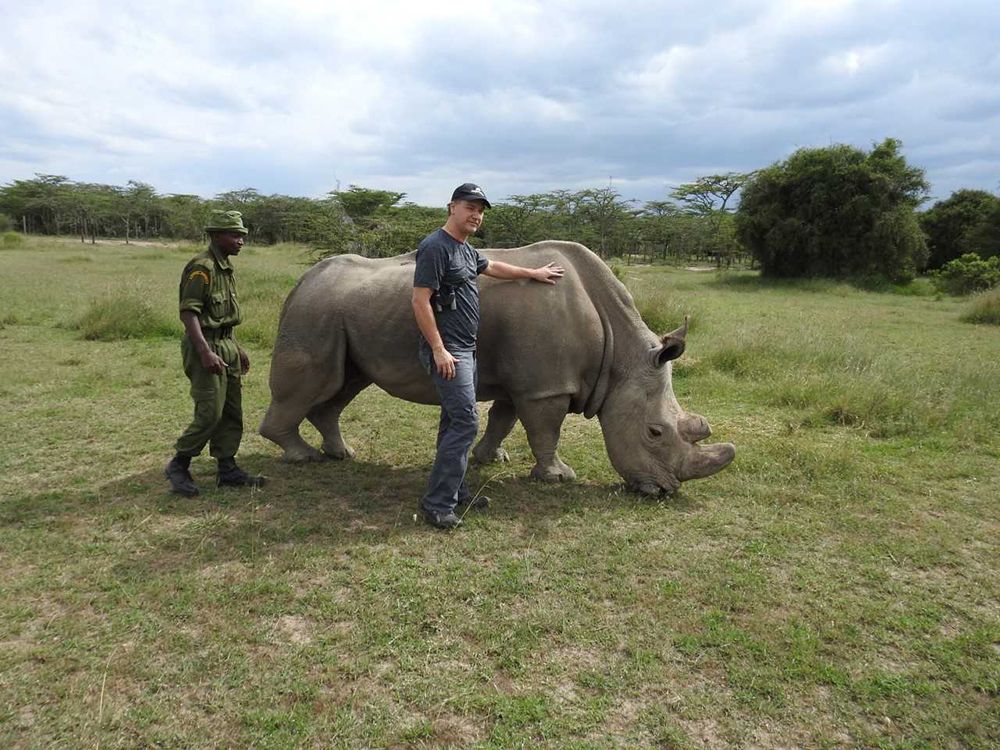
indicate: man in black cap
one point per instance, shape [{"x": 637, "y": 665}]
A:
[
  {"x": 213, "y": 361},
  {"x": 446, "y": 306}
]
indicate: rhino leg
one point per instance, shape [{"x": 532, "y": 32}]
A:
[
  {"x": 325, "y": 417},
  {"x": 300, "y": 380},
  {"x": 498, "y": 426},
  {"x": 542, "y": 420},
  {"x": 281, "y": 426}
]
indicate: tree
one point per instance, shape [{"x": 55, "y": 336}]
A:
[
  {"x": 985, "y": 237},
  {"x": 92, "y": 208},
  {"x": 958, "y": 225},
  {"x": 710, "y": 194},
  {"x": 708, "y": 197},
  {"x": 598, "y": 218},
  {"x": 363, "y": 203},
  {"x": 135, "y": 201},
  {"x": 835, "y": 212},
  {"x": 41, "y": 203},
  {"x": 184, "y": 216},
  {"x": 520, "y": 220},
  {"x": 603, "y": 216}
]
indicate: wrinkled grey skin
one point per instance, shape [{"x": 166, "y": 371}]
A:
[{"x": 544, "y": 351}]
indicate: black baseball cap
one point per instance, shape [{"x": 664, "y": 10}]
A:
[{"x": 469, "y": 191}]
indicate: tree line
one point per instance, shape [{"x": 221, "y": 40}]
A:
[
  {"x": 695, "y": 222},
  {"x": 836, "y": 211}
]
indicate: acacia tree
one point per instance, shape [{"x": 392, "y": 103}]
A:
[
  {"x": 598, "y": 218},
  {"x": 362, "y": 204},
  {"x": 709, "y": 198},
  {"x": 184, "y": 216},
  {"x": 520, "y": 220},
  {"x": 836, "y": 212},
  {"x": 42, "y": 204}
]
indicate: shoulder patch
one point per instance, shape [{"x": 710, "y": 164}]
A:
[{"x": 195, "y": 274}]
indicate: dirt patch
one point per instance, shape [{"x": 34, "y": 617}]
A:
[
  {"x": 704, "y": 732},
  {"x": 456, "y": 731},
  {"x": 293, "y": 629}
]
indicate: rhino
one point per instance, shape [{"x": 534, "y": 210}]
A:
[{"x": 578, "y": 346}]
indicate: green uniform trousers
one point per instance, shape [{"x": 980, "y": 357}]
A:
[{"x": 218, "y": 401}]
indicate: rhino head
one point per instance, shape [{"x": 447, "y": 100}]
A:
[{"x": 651, "y": 441}]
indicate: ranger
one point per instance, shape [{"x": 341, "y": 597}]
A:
[{"x": 213, "y": 361}]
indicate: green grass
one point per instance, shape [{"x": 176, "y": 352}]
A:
[
  {"x": 985, "y": 308},
  {"x": 11, "y": 239},
  {"x": 120, "y": 315},
  {"x": 834, "y": 587}
]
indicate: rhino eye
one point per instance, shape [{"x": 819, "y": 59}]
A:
[{"x": 655, "y": 431}]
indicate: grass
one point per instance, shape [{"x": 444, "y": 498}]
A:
[
  {"x": 835, "y": 587},
  {"x": 11, "y": 239},
  {"x": 985, "y": 308},
  {"x": 120, "y": 315}
]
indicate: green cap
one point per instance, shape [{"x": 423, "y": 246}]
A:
[{"x": 226, "y": 221}]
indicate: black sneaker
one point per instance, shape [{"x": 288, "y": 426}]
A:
[
  {"x": 479, "y": 502},
  {"x": 180, "y": 479},
  {"x": 442, "y": 520},
  {"x": 231, "y": 475}
]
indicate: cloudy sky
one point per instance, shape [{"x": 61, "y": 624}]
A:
[{"x": 523, "y": 96}]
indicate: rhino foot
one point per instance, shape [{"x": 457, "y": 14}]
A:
[
  {"x": 487, "y": 456},
  {"x": 339, "y": 453},
  {"x": 554, "y": 472},
  {"x": 303, "y": 455},
  {"x": 648, "y": 488}
]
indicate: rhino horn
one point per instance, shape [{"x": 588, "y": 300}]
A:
[
  {"x": 671, "y": 345},
  {"x": 705, "y": 460},
  {"x": 693, "y": 427}
]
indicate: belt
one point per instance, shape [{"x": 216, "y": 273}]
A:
[{"x": 224, "y": 332}]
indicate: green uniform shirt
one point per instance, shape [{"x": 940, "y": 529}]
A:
[{"x": 208, "y": 289}]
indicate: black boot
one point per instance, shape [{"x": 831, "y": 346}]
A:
[
  {"x": 479, "y": 502},
  {"x": 179, "y": 476},
  {"x": 231, "y": 475}
]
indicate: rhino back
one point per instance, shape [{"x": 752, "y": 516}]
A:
[{"x": 535, "y": 341}]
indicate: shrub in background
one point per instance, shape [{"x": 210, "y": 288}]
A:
[
  {"x": 960, "y": 224},
  {"x": 128, "y": 317},
  {"x": 985, "y": 308},
  {"x": 967, "y": 274},
  {"x": 11, "y": 239}
]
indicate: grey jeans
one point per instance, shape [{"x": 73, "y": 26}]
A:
[{"x": 456, "y": 433}]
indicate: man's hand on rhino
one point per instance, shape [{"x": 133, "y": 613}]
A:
[{"x": 550, "y": 273}]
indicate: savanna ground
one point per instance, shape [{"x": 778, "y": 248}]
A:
[{"x": 835, "y": 587}]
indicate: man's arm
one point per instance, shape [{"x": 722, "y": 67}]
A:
[
  {"x": 421, "y": 301},
  {"x": 209, "y": 359},
  {"x": 547, "y": 274}
]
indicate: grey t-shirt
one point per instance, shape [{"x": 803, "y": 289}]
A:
[{"x": 450, "y": 267}]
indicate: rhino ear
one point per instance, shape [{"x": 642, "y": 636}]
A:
[{"x": 671, "y": 345}]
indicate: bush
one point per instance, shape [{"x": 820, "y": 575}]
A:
[
  {"x": 123, "y": 318},
  {"x": 959, "y": 224},
  {"x": 6, "y": 224},
  {"x": 835, "y": 212},
  {"x": 11, "y": 239},
  {"x": 985, "y": 308},
  {"x": 967, "y": 274}
]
